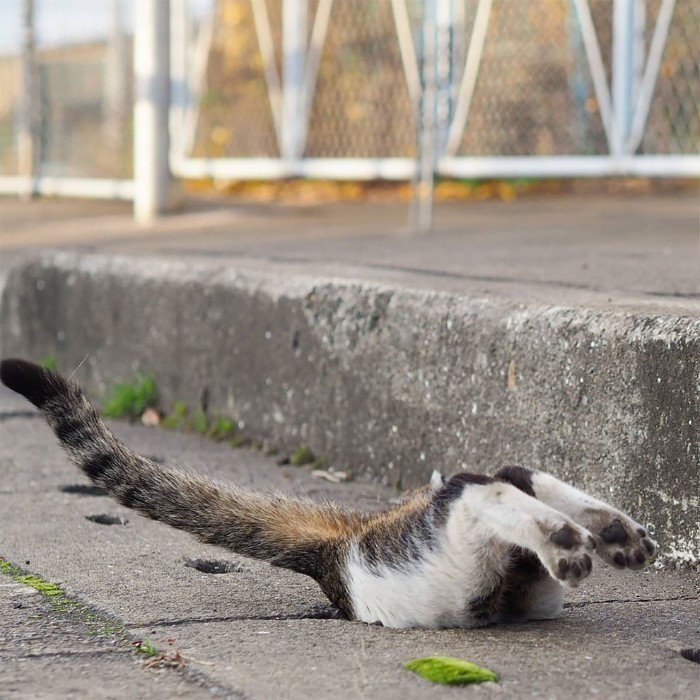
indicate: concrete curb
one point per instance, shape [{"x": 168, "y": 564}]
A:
[{"x": 389, "y": 381}]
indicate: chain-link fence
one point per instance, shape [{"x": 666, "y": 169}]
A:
[
  {"x": 527, "y": 78},
  {"x": 66, "y": 77},
  {"x": 534, "y": 95}
]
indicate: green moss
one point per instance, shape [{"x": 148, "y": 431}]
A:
[
  {"x": 48, "y": 362},
  {"x": 177, "y": 420},
  {"x": 132, "y": 399},
  {"x": 200, "y": 424},
  {"x": 450, "y": 671},
  {"x": 221, "y": 428},
  {"x": 302, "y": 456},
  {"x": 320, "y": 463},
  {"x": 53, "y": 592},
  {"x": 48, "y": 589},
  {"x": 7, "y": 568},
  {"x": 239, "y": 441},
  {"x": 94, "y": 623}
]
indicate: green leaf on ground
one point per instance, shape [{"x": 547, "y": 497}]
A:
[{"x": 450, "y": 671}]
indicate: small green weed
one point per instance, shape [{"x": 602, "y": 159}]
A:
[
  {"x": 218, "y": 427},
  {"x": 320, "y": 464},
  {"x": 302, "y": 456},
  {"x": 177, "y": 420},
  {"x": 146, "y": 648},
  {"x": 131, "y": 400},
  {"x": 48, "y": 362},
  {"x": 239, "y": 441},
  {"x": 200, "y": 424},
  {"x": 221, "y": 428}
]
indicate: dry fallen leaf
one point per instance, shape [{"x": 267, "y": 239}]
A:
[
  {"x": 333, "y": 477},
  {"x": 151, "y": 417}
]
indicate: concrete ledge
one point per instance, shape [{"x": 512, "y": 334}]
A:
[{"x": 389, "y": 381}]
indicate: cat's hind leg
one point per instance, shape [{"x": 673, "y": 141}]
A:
[
  {"x": 620, "y": 540},
  {"x": 505, "y": 512}
]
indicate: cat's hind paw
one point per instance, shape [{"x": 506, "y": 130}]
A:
[
  {"x": 569, "y": 554},
  {"x": 624, "y": 543}
]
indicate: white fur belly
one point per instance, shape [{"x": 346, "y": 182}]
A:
[{"x": 433, "y": 591}]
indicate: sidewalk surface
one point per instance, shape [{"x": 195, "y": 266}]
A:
[
  {"x": 260, "y": 632},
  {"x": 626, "y": 252},
  {"x": 558, "y": 332}
]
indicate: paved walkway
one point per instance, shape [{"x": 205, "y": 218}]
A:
[
  {"x": 637, "y": 252},
  {"x": 260, "y": 632}
]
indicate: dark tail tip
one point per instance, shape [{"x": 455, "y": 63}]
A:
[{"x": 32, "y": 381}]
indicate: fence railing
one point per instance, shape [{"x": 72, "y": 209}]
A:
[{"x": 350, "y": 89}]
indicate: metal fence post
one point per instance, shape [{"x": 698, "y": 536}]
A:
[
  {"x": 115, "y": 85},
  {"x": 422, "y": 199},
  {"x": 152, "y": 182},
  {"x": 623, "y": 71},
  {"x": 26, "y": 131},
  {"x": 435, "y": 104},
  {"x": 294, "y": 48}
]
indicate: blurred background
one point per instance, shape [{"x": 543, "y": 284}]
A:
[{"x": 479, "y": 92}]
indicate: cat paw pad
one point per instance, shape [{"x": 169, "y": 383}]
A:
[
  {"x": 625, "y": 544},
  {"x": 570, "y": 558}
]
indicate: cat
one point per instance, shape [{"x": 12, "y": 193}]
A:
[{"x": 469, "y": 551}]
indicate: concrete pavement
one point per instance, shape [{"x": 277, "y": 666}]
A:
[{"x": 260, "y": 632}]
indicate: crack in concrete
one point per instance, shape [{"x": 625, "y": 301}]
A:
[
  {"x": 333, "y": 614},
  {"x": 321, "y": 614},
  {"x": 8, "y": 415},
  {"x": 586, "y": 603},
  {"x": 66, "y": 654}
]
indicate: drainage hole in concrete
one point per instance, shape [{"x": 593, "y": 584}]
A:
[
  {"x": 214, "y": 566},
  {"x": 104, "y": 519},
  {"x": 691, "y": 654},
  {"x": 83, "y": 489}
]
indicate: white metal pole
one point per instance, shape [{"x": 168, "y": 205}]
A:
[
  {"x": 294, "y": 46},
  {"x": 115, "y": 85},
  {"x": 266, "y": 43},
  {"x": 595, "y": 63},
  {"x": 407, "y": 48},
  {"x": 422, "y": 201},
  {"x": 26, "y": 130},
  {"x": 651, "y": 74},
  {"x": 471, "y": 72},
  {"x": 623, "y": 65},
  {"x": 180, "y": 32},
  {"x": 313, "y": 60},
  {"x": 152, "y": 183},
  {"x": 443, "y": 73}
]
